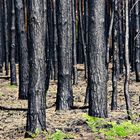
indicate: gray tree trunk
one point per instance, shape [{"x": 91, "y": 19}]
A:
[
  {"x": 7, "y": 11},
  {"x": 23, "y": 50},
  {"x": 127, "y": 65},
  {"x": 36, "y": 117},
  {"x": 64, "y": 25},
  {"x": 137, "y": 61},
  {"x": 97, "y": 73},
  {"x": 13, "y": 47},
  {"x": 1, "y": 36}
]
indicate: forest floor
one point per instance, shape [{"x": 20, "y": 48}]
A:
[{"x": 13, "y": 111}]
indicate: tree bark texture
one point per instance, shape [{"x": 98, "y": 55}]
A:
[
  {"x": 23, "y": 50},
  {"x": 7, "y": 12},
  {"x": 137, "y": 60},
  {"x": 13, "y": 47},
  {"x": 115, "y": 68},
  {"x": 127, "y": 65},
  {"x": 1, "y": 36},
  {"x": 36, "y": 117},
  {"x": 64, "y": 25},
  {"x": 74, "y": 50},
  {"x": 97, "y": 73}
]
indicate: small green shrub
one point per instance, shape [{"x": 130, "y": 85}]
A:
[
  {"x": 59, "y": 135},
  {"x": 112, "y": 130}
]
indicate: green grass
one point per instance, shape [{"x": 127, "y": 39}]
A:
[
  {"x": 58, "y": 135},
  {"x": 112, "y": 130}
]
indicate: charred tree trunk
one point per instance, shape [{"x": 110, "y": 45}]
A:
[
  {"x": 137, "y": 38},
  {"x": 80, "y": 53},
  {"x": 23, "y": 50},
  {"x": 132, "y": 33},
  {"x": 13, "y": 47},
  {"x": 55, "y": 42},
  {"x": 127, "y": 66},
  {"x": 6, "y": 32},
  {"x": 121, "y": 37},
  {"x": 1, "y": 36},
  {"x": 64, "y": 25},
  {"x": 51, "y": 35},
  {"x": 36, "y": 116},
  {"x": 86, "y": 21},
  {"x": 115, "y": 68},
  {"x": 97, "y": 73},
  {"x": 74, "y": 52},
  {"x": 81, "y": 31}
]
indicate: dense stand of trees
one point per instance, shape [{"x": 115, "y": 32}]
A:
[{"x": 48, "y": 38}]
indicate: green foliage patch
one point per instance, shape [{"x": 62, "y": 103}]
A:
[
  {"x": 112, "y": 130},
  {"x": 58, "y": 135}
]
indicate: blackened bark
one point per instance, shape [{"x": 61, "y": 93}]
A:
[
  {"x": 55, "y": 42},
  {"x": 137, "y": 60},
  {"x": 23, "y": 50},
  {"x": 82, "y": 35},
  {"x": 108, "y": 25},
  {"x": 64, "y": 25},
  {"x": 7, "y": 12},
  {"x": 47, "y": 47},
  {"x": 121, "y": 37},
  {"x": 132, "y": 34},
  {"x": 13, "y": 47},
  {"x": 127, "y": 66},
  {"x": 115, "y": 68},
  {"x": 36, "y": 117},
  {"x": 86, "y": 21},
  {"x": 1, "y": 35},
  {"x": 80, "y": 53},
  {"x": 97, "y": 73},
  {"x": 74, "y": 52},
  {"x": 50, "y": 33}
]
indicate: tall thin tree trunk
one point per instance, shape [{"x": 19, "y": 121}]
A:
[
  {"x": 55, "y": 42},
  {"x": 64, "y": 25},
  {"x": 36, "y": 116},
  {"x": 23, "y": 50},
  {"x": 82, "y": 35},
  {"x": 127, "y": 66},
  {"x": 74, "y": 53},
  {"x": 6, "y": 32},
  {"x": 121, "y": 38},
  {"x": 97, "y": 73},
  {"x": 1, "y": 36},
  {"x": 115, "y": 68},
  {"x": 137, "y": 60},
  {"x": 13, "y": 47}
]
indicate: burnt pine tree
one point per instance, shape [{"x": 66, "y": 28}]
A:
[
  {"x": 64, "y": 25},
  {"x": 36, "y": 116},
  {"x": 23, "y": 50},
  {"x": 6, "y": 26},
  {"x": 115, "y": 61},
  {"x": 137, "y": 38},
  {"x": 97, "y": 73},
  {"x": 1, "y": 36},
  {"x": 126, "y": 63},
  {"x": 13, "y": 46},
  {"x": 74, "y": 52}
]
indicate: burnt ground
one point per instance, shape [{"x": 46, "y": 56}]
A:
[{"x": 13, "y": 111}]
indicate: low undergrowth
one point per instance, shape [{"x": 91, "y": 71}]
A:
[
  {"x": 112, "y": 130},
  {"x": 58, "y": 135}
]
